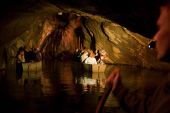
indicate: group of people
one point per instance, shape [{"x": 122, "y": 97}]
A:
[
  {"x": 25, "y": 54},
  {"x": 159, "y": 101},
  {"x": 87, "y": 56}
]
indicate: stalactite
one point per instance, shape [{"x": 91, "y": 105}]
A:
[
  {"x": 81, "y": 36},
  {"x": 62, "y": 39}
]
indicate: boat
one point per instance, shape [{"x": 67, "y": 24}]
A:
[
  {"x": 33, "y": 66},
  {"x": 94, "y": 67}
]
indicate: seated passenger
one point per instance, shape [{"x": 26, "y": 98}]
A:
[
  {"x": 97, "y": 56},
  {"x": 30, "y": 54},
  {"x": 77, "y": 55},
  {"x": 100, "y": 60},
  {"x": 159, "y": 101},
  {"x": 91, "y": 59},
  {"x": 20, "y": 58},
  {"x": 84, "y": 56}
]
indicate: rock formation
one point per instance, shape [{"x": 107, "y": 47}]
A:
[{"x": 57, "y": 29}]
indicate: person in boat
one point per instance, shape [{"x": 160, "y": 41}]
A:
[
  {"x": 99, "y": 57},
  {"x": 77, "y": 55},
  {"x": 30, "y": 51},
  {"x": 91, "y": 59},
  {"x": 84, "y": 55},
  {"x": 159, "y": 101},
  {"x": 20, "y": 58}
]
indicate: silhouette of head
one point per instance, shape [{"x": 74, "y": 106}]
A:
[{"x": 162, "y": 37}]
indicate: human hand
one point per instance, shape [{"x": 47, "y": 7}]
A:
[{"x": 114, "y": 78}]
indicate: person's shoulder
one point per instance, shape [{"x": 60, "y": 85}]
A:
[{"x": 167, "y": 87}]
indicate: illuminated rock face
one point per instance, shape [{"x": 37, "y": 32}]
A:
[{"x": 56, "y": 30}]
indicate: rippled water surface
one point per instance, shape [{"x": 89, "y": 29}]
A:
[{"x": 66, "y": 87}]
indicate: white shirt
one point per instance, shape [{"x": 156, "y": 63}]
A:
[
  {"x": 84, "y": 57},
  {"x": 90, "y": 60}
]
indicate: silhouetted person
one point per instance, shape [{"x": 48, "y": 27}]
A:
[
  {"x": 97, "y": 56},
  {"x": 91, "y": 59},
  {"x": 159, "y": 102},
  {"x": 30, "y": 51},
  {"x": 20, "y": 58}
]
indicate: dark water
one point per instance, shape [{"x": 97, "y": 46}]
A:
[{"x": 65, "y": 87}]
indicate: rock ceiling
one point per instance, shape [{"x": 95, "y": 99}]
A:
[{"x": 137, "y": 15}]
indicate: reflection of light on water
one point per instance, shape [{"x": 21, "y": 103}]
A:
[
  {"x": 100, "y": 77},
  {"x": 94, "y": 83},
  {"x": 88, "y": 84},
  {"x": 87, "y": 81},
  {"x": 96, "y": 79},
  {"x": 47, "y": 87}
]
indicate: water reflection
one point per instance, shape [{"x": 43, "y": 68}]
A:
[
  {"x": 65, "y": 87},
  {"x": 94, "y": 82},
  {"x": 69, "y": 78}
]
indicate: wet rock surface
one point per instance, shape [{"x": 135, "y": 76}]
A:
[{"x": 60, "y": 28}]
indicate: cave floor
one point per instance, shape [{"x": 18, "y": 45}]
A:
[{"x": 63, "y": 87}]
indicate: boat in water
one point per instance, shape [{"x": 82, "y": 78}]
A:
[{"x": 32, "y": 66}]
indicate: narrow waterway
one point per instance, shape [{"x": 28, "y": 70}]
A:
[{"x": 66, "y": 87}]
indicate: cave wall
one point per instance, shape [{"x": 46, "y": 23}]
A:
[{"x": 41, "y": 22}]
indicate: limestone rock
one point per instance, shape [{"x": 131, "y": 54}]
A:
[{"x": 46, "y": 23}]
